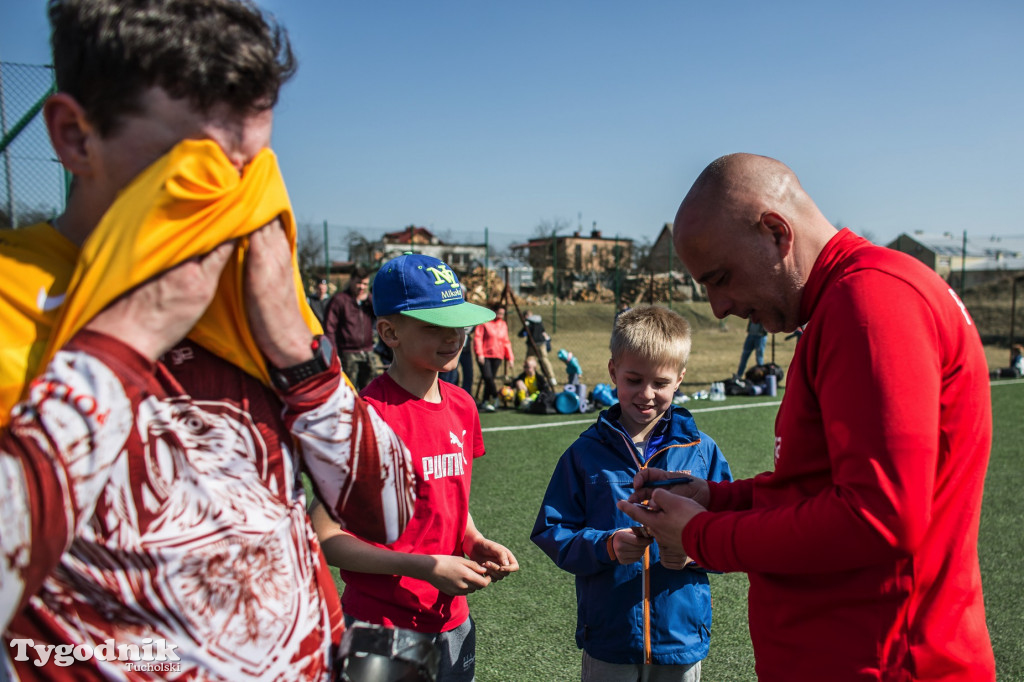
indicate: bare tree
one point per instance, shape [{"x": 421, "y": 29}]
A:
[
  {"x": 549, "y": 228},
  {"x": 641, "y": 254},
  {"x": 360, "y": 248},
  {"x": 310, "y": 253}
]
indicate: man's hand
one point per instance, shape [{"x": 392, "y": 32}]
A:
[
  {"x": 157, "y": 314},
  {"x": 628, "y": 547},
  {"x": 672, "y": 559},
  {"x": 496, "y": 559},
  {"x": 271, "y": 301},
  {"x": 456, "y": 576},
  {"x": 665, "y": 518},
  {"x": 697, "y": 489}
]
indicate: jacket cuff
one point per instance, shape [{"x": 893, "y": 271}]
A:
[
  {"x": 608, "y": 545},
  {"x": 690, "y": 535}
]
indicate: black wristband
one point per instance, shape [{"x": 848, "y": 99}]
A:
[{"x": 323, "y": 356}]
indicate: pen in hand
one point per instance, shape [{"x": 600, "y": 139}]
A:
[{"x": 668, "y": 482}]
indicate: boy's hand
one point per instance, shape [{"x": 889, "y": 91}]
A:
[
  {"x": 457, "y": 576},
  {"x": 496, "y": 559},
  {"x": 628, "y": 547},
  {"x": 697, "y": 489}
]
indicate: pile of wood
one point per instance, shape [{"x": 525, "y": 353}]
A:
[
  {"x": 635, "y": 289},
  {"x": 482, "y": 286},
  {"x": 486, "y": 286}
]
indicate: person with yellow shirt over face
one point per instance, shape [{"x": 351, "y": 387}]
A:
[{"x": 151, "y": 490}]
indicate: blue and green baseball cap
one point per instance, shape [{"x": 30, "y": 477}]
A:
[{"x": 424, "y": 288}]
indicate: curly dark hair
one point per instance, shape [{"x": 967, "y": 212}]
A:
[{"x": 106, "y": 53}]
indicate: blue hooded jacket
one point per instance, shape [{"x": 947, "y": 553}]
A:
[{"x": 641, "y": 612}]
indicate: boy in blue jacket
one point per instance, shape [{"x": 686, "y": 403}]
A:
[{"x": 639, "y": 612}]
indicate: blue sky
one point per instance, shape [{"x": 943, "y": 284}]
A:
[{"x": 896, "y": 116}]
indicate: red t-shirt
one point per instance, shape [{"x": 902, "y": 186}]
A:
[
  {"x": 443, "y": 439},
  {"x": 861, "y": 545}
]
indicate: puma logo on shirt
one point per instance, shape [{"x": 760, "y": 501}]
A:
[{"x": 448, "y": 464}]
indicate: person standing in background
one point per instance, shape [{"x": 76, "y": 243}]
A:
[
  {"x": 757, "y": 339},
  {"x": 533, "y": 330},
  {"x": 466, "y": 362},
  {"x": 318, "y": 301},
  {"x": 350, "y": 324},
  {"x": 492, "y": 346}
]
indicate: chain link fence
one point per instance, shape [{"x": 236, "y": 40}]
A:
[{"x": 33, "y": 184}]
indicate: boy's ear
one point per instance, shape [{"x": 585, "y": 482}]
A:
[
  {"x": 70, "y": 132},
  {"x": 682, "y": 373},
  {"x": 387, "y": 331},
  {"x": 611, "y": 370}
]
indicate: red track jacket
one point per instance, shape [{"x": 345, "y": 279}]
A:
[{"x": 861, "y": 545}]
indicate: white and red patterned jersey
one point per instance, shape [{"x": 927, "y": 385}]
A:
[{"x": 137, "y": 508}]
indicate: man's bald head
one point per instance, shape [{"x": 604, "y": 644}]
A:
[
  {"x": 747, "y": 220},
  {"x": 742, "y": 186}
]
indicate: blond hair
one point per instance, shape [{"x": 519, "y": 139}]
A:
[{"x": 654, "y": 333}]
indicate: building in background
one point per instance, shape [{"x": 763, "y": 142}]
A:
[
  {"x": 461, "y": 257},
  {"x": 574, "y": 263},
  {"x": 964, "y": 260}
]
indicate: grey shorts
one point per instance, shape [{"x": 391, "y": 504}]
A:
[{"x": 599, "y": 671}]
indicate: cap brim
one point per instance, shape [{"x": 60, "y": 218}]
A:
[{"x": 458, "y": 315}]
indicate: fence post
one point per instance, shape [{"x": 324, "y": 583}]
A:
[
  {"x": 487, "y": 266},
  {"x": 327, "y": 254},
  {"x": 554, "y": 282},
  {"x": 963, "y": 265},
  {"x": 12, "y": 216},
  {"x": 1013, "y": 312},
  {"x": 618, "y": 273},
  {"x": 669, "y": 281}
]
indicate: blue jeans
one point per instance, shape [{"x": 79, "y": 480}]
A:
[{"x": 752, "y": 344}]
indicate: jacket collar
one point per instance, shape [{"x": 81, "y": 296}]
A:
[
  {"x": 828, "y": 267},
  {"x": 677, "y": 422}
]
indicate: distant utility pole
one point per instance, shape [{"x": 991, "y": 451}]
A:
[{"x": 963, "y": 265}]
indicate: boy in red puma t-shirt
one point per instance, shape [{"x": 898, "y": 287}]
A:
[{"x": 420, "y": 582}]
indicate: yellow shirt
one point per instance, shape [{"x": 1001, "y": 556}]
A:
[
  {"x": 183, "y": 205},
  {"x": 36, "y": 264}
]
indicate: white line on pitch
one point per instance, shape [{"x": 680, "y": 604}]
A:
[
  {"x": 591, "y": 421},
  {"x": 698, "y": 410}
]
